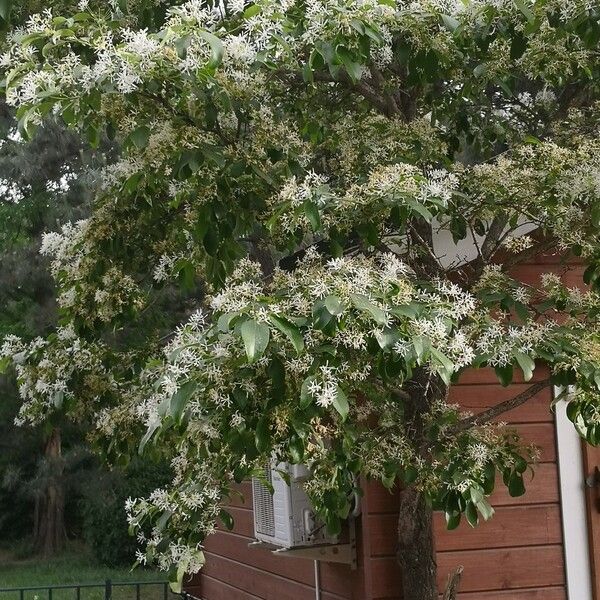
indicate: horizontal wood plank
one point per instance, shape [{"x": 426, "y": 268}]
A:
[
  {"x": 257, "y": 582},
  {"x": 571, "y": 276},
  {"x": 547, "y": 593},
  {"x": 218, "y": 590},
  {"x": 487, "y": 375},
  {"x": 511, "y": 568},
  {"x": 542, "y": 488},
  {"x": 542, "y": 435},
  {"x": 511, "y": 526},
  {"x": 335, "y": 578},
  {"x": 481, "y": 397}
]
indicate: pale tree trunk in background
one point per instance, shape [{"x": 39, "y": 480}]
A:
[{"x": 49, "y": 517}]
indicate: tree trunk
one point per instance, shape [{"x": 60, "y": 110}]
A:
[
  {"x": 416, "y": 552},
  {"x": 49, "y": 526}
]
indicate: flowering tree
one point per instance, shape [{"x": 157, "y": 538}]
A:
[{"x": 303, "y": 159}]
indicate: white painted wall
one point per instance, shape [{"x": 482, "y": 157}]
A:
[{"x": 574, "y": 520}]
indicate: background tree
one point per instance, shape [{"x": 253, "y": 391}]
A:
[
  {"x": 39, "y": 190},
  {"x": 304, "y": 159}
]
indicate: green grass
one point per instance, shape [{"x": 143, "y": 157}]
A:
[{"x": 75, "y": 566}]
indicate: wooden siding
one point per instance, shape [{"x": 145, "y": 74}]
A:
[{"x": 518, "y": 555}]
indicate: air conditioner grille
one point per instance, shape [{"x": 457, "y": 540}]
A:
[{"x": 264, "y": 515}]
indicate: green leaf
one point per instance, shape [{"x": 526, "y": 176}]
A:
[
  {"x": 505, "y": 374},
  {"x": 410, "y": 475},
  {"x": 387, "y": 338},
  {"x": 4, "y": 364},
  {"x": 353, "y": 68},
  {"x": 420, "y": 208},
  {"x": 305, "y": 395},
  {"x": 312, "y": 214},
  {"x": 526, "y": 363},
  {"x": 5, "y": 8},
  {"x": 471, "y": 514},
  {"x": 262, "y": 435},
  {"x": 148, "y": 436},
  {"x": 211, "y": 241},
  {"x": 483, "y": 506},
  {"x": 256, "y": 339},
  {"x": 180, "y": 399},
  {"x": 334, "y": 305},
  {"x": 450, "y": 22},
  {"x": 216, "y": 47},
  {"x": 452, "y": 520},
  {"x": 520, "y": 464},
  {"x": 140, "y": 136},
  {"x": 408, "y": 310},
  {"x": 596, "y": 214},
  {"x": 289, "y": 330},
  {"x": 480, "y": 70},
  {"x": 421, "y": 345},
  {"x": 363, "y": 303},
  {"x": 518, "y": 46},
  {"x": 224, "y": 321},
  {"x": 58, "y": 399},
  {"x": 296, "y": 448},
  {"x": 522, "y": 6},
  {"x": 321, "y": 316},
  {"x": 490, "y": 478},
  {"x": 163, "y": 520},
  {"x": 516, "y": 487},
  {"x": 226, "y": 519},
  {"x": 340, "y": 403},
  {"x": 251, "y": 11},
  {"x": 447, "y": 366}
]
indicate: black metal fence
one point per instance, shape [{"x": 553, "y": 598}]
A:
[{"x": 109, "y": 590}]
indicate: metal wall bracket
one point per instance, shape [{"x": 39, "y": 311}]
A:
[
  {"x": 339, "y": 553},
  {"x": 593, "y": 480},
  {"x": 336, "y": 553}
]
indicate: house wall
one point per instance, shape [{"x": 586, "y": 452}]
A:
[{"x": 518, "y": 555}]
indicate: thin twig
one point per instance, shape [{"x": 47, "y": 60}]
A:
[{"x": 453, "y": 583}]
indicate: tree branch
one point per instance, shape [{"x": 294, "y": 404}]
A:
[
  {"x": 422, "y": 238},
  {"x": 490, "y": 244},
  {"x": 532, "y": 252},
  {"x": 488, "y": 415},
  {"x": 368, "y": 92}
]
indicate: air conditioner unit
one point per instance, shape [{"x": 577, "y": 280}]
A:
[{"x": 285, "y": 517}]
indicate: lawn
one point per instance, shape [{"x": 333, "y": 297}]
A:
[{"x": 76, "y": 566}]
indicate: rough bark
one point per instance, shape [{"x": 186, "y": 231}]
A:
[
  {"x": 49, "y": 524},
  {"x": 415, "y": 548},
  {"x": 416, "y": 552}
]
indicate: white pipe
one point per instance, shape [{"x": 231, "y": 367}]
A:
[{"x": 317, "y": 581}]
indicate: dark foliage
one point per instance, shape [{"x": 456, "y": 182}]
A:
[{"x": 105, "y": 527}]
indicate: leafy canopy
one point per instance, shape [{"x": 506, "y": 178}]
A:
[{"x": 309, "y": 161}]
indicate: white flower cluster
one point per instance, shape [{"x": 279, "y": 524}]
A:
[
  {"x": 398, "y": 184},
  {"x": 66, "y": 248},
  {"x": 45, "y": 371},
  {"x": 499, "y": 341},
  {"x": 518, "y": 244}
]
